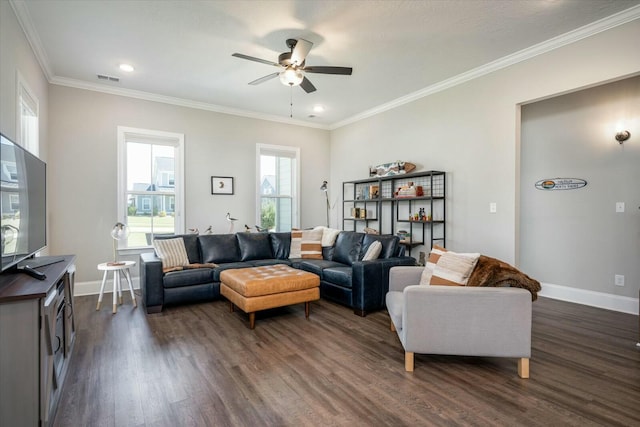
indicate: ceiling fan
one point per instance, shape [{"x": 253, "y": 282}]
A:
[{"x": 293, "y": 68}]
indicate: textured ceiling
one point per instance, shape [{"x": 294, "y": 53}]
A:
[{"x": 181, "y": 50}]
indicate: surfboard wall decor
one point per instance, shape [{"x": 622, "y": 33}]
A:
[
  {"x": 560, "y": 184},
  {"x": 390, "y": 169}
]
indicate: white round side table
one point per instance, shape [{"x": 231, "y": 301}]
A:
[{"x": 119, "y": 269}]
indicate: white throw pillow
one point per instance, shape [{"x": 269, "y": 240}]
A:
[
  {"x": 373, "y": 252},
  {"x": 172, "y": 252},
  {"x": 329, "y": 235}
]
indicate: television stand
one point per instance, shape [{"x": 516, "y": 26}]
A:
[{"x": 37, "y": 324}]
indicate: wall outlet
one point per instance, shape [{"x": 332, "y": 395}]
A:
[
  {"x": 493, "y": 207},
  {"x": 619, "y": 206},
  {"x": 618, "y": 280}
]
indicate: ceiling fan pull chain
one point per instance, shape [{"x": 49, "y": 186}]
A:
[{"x": 291, "y": 103}]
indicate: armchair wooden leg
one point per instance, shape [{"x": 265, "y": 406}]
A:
[
  {"x": 408, "y": 361},
  {"x": 523, "y": 367}
]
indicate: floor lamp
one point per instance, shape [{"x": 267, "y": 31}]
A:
[{"x": 325, "y": 188}]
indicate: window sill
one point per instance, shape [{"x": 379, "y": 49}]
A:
[{"x": 135, "y": 251}]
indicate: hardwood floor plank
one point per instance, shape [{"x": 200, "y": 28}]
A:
[{"x": 200, "y": 365}]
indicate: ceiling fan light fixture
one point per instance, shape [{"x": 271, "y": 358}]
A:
[{"x": 291, "y": 76}]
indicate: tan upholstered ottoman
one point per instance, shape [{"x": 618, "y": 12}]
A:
[{"x": 260, "y": 288}]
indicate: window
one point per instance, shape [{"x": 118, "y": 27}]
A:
[
  {"x": 150, "y": 184},
  {"x": 28, "y": 108},
  {"x": 278, "y": 183}
]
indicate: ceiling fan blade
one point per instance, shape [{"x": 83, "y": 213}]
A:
[
  {"x": 252, "y": 58},
  {"x": 264, "y": 79},
  {"x": 300, "y": 51},
  {"x": 329, "y": 70},
  {"x": 307, "y": 85}
]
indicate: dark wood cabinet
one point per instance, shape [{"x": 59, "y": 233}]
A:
[{"x": 37, "y": 333}]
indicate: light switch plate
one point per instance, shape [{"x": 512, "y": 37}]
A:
[
  {"x": 619, "y": 206},
  {"x": 493, "y": 207}
]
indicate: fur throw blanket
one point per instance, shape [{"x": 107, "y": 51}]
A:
[{"x": 493, "y": 272}]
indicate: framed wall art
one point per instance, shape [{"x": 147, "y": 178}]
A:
[{"x": 222, "y": 185}]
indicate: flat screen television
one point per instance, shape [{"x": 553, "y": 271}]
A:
[{"x": 23, "y": 201}]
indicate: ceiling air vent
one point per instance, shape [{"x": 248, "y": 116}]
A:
[{"x": 110, "y": 78}]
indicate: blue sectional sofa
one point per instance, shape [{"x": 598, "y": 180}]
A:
[{"x": 344, "y": 277}]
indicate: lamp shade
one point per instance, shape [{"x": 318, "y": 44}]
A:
[{"x": 120, "y": 231}]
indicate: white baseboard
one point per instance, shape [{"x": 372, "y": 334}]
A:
[
  {"x": 93, "y": 288},
  {"x": 549, "y": 290},
  {"x": 592, "y": 298}
]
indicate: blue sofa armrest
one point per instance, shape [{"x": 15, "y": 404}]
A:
[
  {"x": 370, "y": 283},
  {"x": 151, "y": 282}
]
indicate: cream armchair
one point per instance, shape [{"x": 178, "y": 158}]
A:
[{"x": 459, "y": 320}]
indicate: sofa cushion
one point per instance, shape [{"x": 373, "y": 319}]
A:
[
  {"x": 316, "y": 266},
  {"x": 280, "y": 245},
  {"x": 348, "y": 247},
  {"x": 172, "y": 252},
  {"x": 395, "y": 304},
  {"x": 327, "y": 252},
  {"x": 194, "y": 276},
  {"x": 273, "y": 261},
  {"x": 338, "y": 275},
  {"x": 373, "y": 251},
  {"x": 221, "y": 267},
  {"x": 254, "y": 246},
  {"x": 219, "y": 248},
  {"x": 306, "y": 244},
  {"x": 389, "y": 244}
]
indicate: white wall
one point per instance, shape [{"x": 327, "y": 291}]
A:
[
  {"x": 16, "y": 56},
  {"x": 575, "y": 238},
  {"x": 472, "y": 132},
  {"x": 82, "y": 167}
]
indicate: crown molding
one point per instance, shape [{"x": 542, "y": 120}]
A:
[
  {"x": 573, "y": 36},
  {"x": 181, "y": 102},
  {"x": 620, "y": 18},
  {"x": 24, "y": 19}
]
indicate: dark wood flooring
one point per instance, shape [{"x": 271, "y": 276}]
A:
[{"x": 201, "y": 365}]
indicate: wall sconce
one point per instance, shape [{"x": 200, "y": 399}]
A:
[{"x": 622, "y": 136}]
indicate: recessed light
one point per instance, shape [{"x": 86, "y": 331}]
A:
[
  {"x": 126, "y": 67},
  {"x": 318, "y": 108}
]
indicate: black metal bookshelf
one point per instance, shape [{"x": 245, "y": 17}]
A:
[{"x": 387, "y": 212}]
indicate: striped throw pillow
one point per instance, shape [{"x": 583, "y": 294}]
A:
[
  {"x": 172, "y": 252},
  {"x": 306, "y": 244},
  {"x": 453, "y": 269},
  {"x": 434, "y": 256}
]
